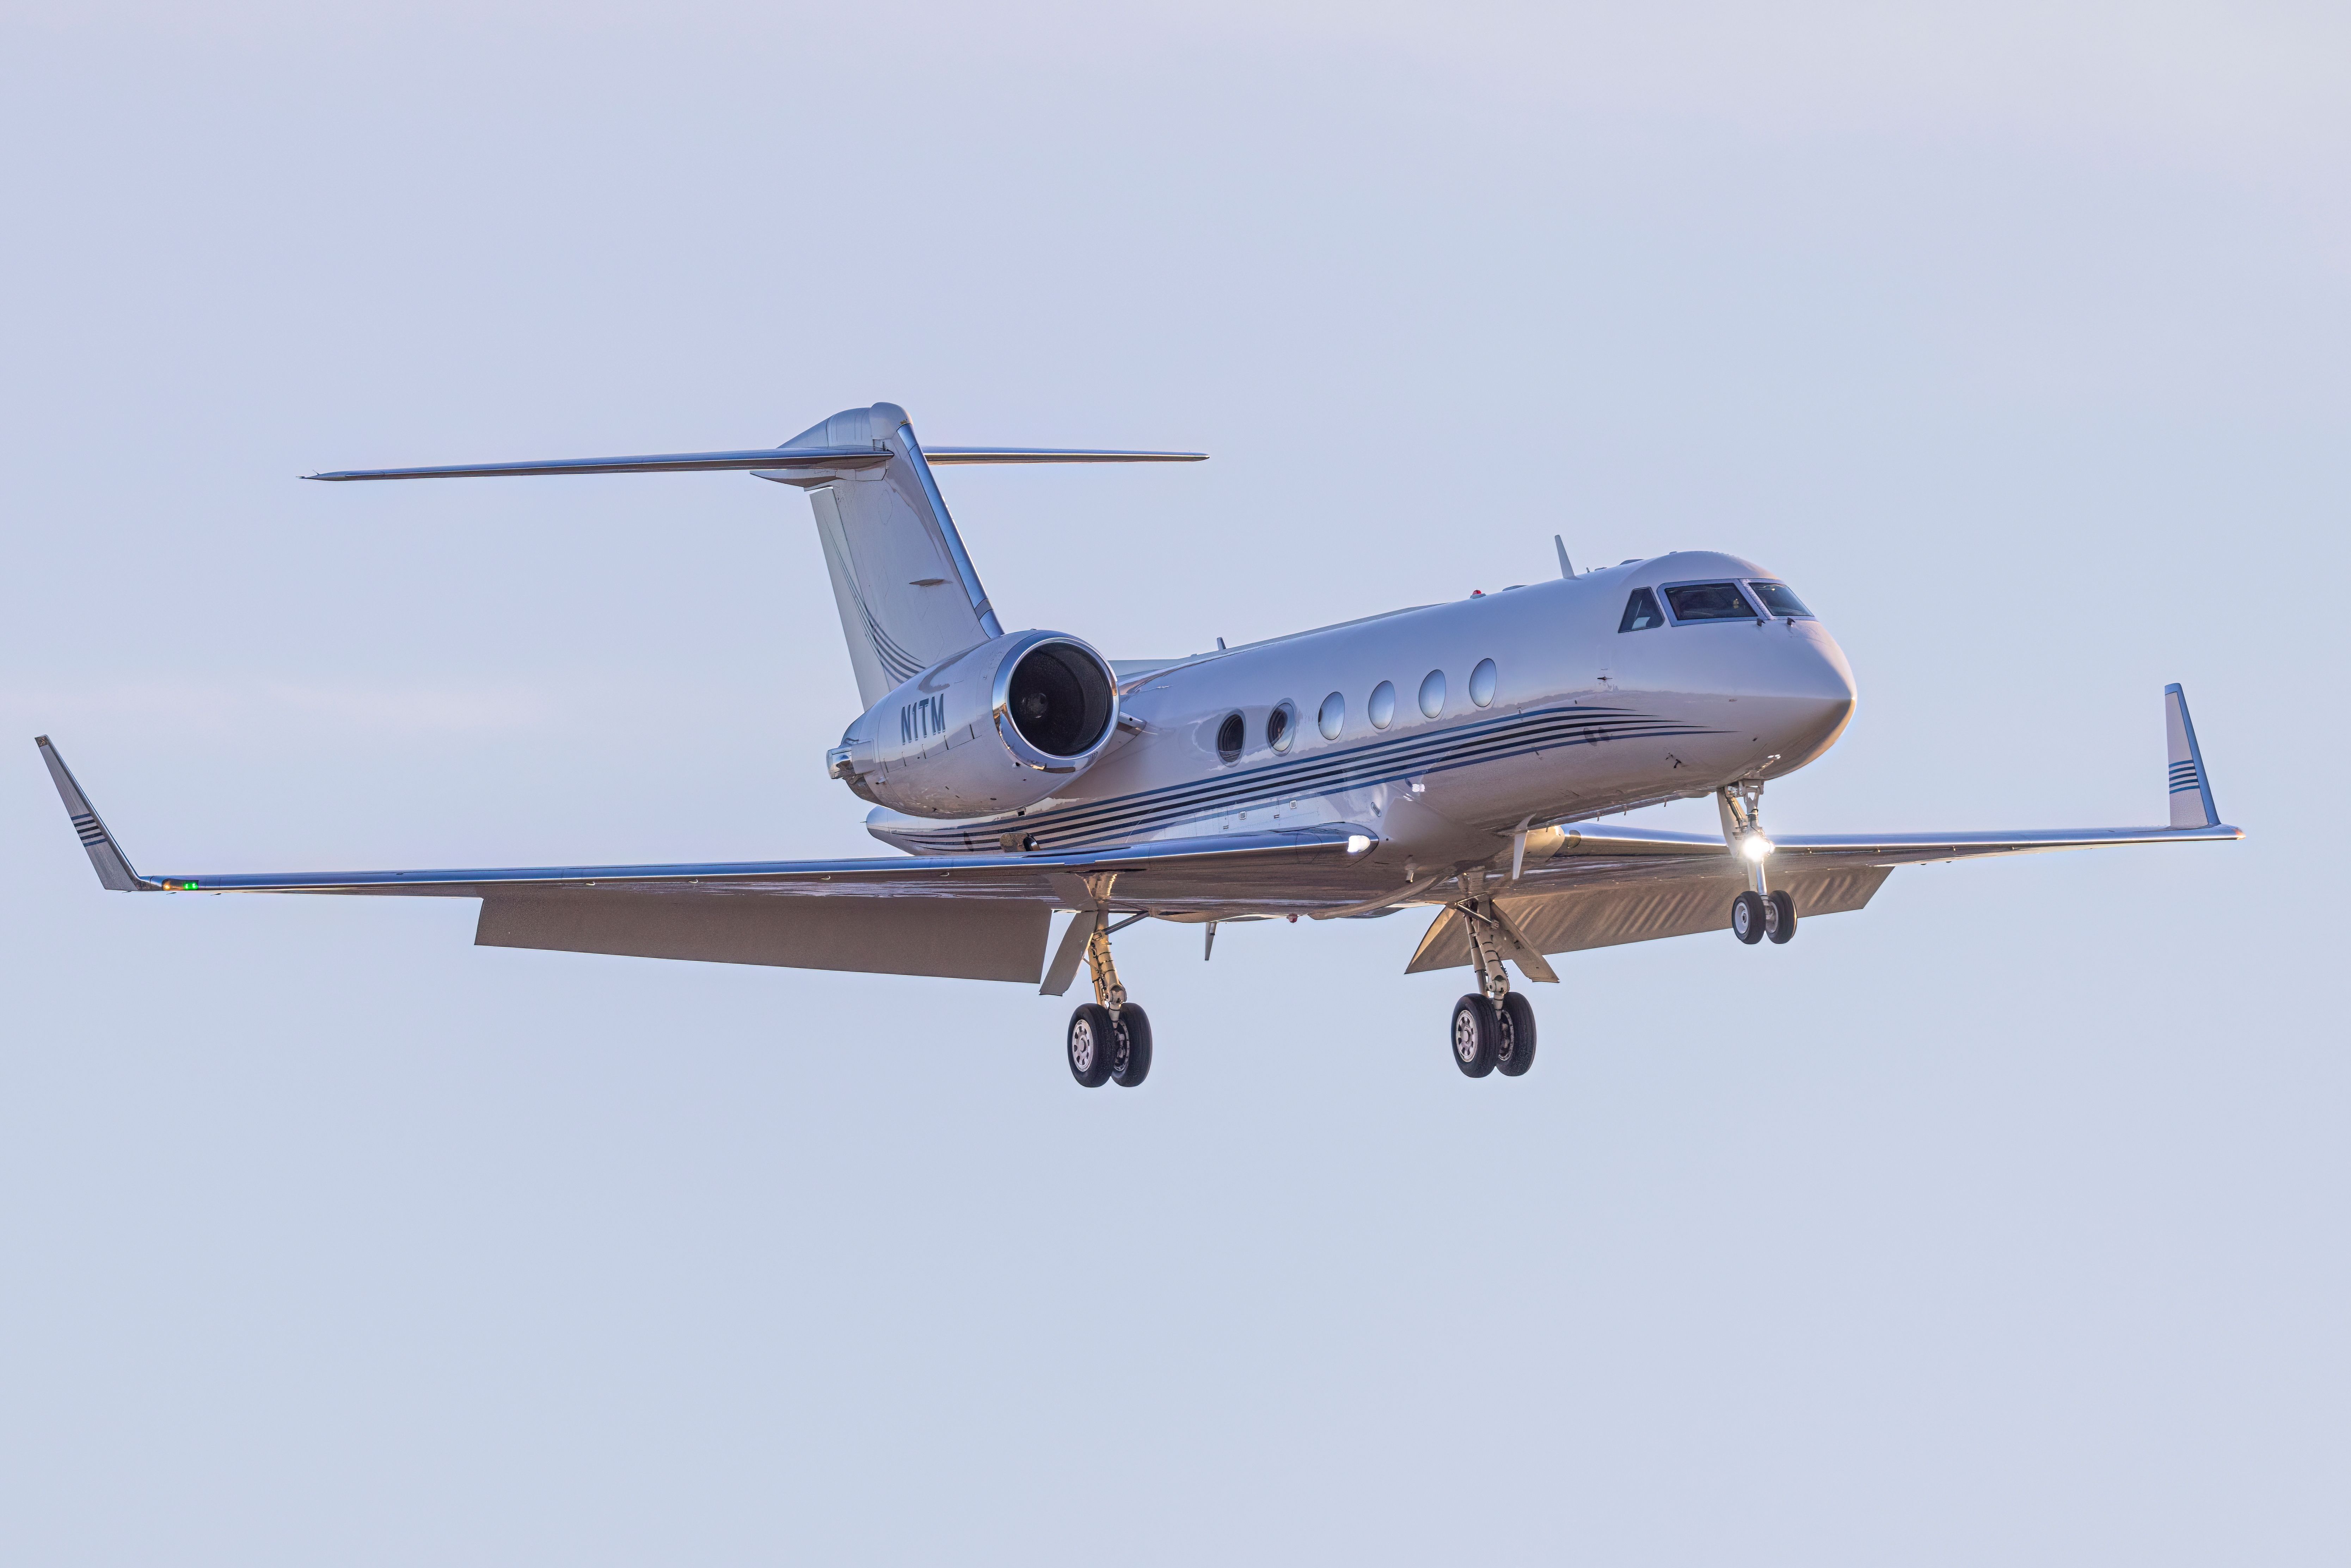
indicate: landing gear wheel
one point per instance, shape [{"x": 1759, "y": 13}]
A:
[
  {"x": 1130, "y": 1061},
  {"x": 1092, "y": 1042},
  {"x": 1517, "y": 1052},
  {"x": 1784, "y": 926},
  {"x": 1746, "y": 918},
  {"x": 1477, "y": 1034}
]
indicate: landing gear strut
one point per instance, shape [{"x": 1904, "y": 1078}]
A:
[
  {"x": 1109, "y": 1039},
  {"x": 1760, "y": 911},
  {"x": 1493, "y": 1031}
]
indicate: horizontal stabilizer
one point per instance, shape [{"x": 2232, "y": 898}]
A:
[
  {"x": 944, "y": 455},
  {"x": 757, "y": 458},
  {"x": 667, "y": 463}
]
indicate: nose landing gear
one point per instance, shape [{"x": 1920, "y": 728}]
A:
[
  {"x": 1760, "y": 911},
  {"x": 1755, "y": 915}
]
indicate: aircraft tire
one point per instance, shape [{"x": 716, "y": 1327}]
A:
[
  {"x": 1783, "y": 929},
  {"x": 1090, "y": 1042},
  {"x": 1518, "y": 1016},
  {"x": 1476, "y": 1030},
  {"x": 1131, "y": 1066},
  {"x": 1746, "y": 918}
]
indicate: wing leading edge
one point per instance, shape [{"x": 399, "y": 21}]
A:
[
  {"x": 1211, "y": 870},
  {"x": 976, "y": 917}
]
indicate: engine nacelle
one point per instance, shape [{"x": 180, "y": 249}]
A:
[{"x": 993, "y": 729}]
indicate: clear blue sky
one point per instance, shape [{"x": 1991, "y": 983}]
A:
[{"x": 2003, "y": 1221}]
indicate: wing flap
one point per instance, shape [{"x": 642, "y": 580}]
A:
[{"x": 949, "y": 939}]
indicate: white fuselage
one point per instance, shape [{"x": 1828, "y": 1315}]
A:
[{"x": 1578, "y": 720}]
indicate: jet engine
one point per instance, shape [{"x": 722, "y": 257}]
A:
[{"x": 995, "y": 728}]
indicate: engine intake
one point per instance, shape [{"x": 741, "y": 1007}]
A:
[
  {"x": 1058, "y": 701},
  {"x": 995, "y": 728}
]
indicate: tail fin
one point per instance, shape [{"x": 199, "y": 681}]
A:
[
  {"x": 908, "y": 595},
  {"x": 2191, "y": 787}
]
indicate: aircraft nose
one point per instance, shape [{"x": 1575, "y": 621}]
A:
[
  {"x": 1817, "y": 685},
  {"x": 1834, "y": 673}
]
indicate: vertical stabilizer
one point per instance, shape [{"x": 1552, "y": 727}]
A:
[
  {"x": 907, "y": 593},
  {"x": 2191, "y": 787}
]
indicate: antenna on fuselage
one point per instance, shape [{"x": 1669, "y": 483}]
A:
[{"x": 1561, "y": 545}]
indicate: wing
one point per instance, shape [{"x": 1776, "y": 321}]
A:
[
  {"x": 1591, "y": 885},
  {"x": 972, "y": 916},
  {"x": 1607, "y": 886}
]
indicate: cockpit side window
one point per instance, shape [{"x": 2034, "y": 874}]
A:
[
  {"x": 1780, "y": 598},
  {"x": 1641, "y": 612},
  {"x": 1709, "y": 602}
]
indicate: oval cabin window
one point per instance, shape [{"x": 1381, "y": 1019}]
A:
[
  {"x": 1333, "y": 716},
  {"x": 1432, "y": 694},
  {"x": 1229, "y": 735},
  {"x": 1482, "y": 682},
  {"x": 1381, "y": 709},
  {"x": 1282, "y": 726}
]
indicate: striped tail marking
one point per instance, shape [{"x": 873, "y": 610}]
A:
[{"x": 2190, "y": 785}]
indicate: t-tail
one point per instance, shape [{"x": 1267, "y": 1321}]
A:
[{"x": 908, "y": 595}]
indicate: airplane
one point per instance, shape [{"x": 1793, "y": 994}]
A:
[{"x": 1454, "y": 756}]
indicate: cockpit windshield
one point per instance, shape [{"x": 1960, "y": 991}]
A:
[
  {"x": 1709, "y": 602},
  {"x": 1641, "y": 612},
  {"x": 1779, "y": 598}
]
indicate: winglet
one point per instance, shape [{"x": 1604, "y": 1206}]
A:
[
  {"x": 113, "y": 866},
  {"x": 2191, "y": 787}
]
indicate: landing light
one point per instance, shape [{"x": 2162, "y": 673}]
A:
[
  {"x": 1357, "y": 843},
  {"x": 1755, "y": 846}
]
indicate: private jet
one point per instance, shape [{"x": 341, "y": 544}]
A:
[{"x": 1457, "y": 756}]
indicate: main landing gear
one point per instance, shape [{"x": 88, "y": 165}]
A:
[
  {"x": 1109, "y": 1038},
  {"x": 1107, "y": 1048},
  {"x": 1494, "y": 1028},
  {"x": 1490, "y": 1037},
  {"x": 1760, "y": 911}
]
